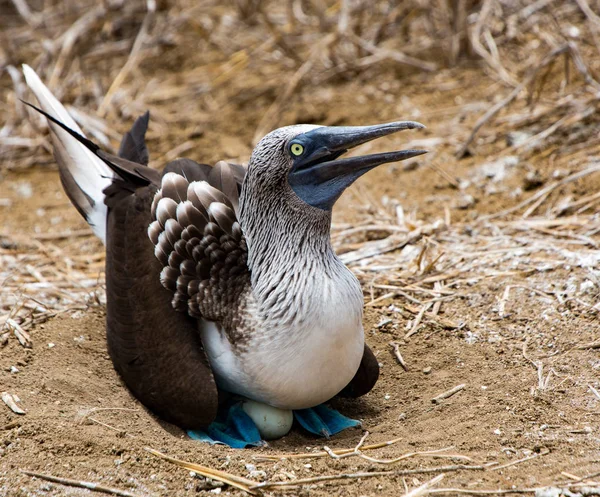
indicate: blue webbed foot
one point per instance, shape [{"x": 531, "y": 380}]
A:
[
  {"x": 323, "y": 421},
  {"x": 233, "y": 426}
]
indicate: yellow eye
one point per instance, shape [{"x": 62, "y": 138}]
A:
[{"x": 297, "y": 149}]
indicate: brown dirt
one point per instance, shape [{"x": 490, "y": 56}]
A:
[{"x": 503, "y": 414}]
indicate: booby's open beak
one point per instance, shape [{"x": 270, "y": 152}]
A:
[{"x": 318, "y": 177}]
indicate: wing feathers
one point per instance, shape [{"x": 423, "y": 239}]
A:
[
  {"x": 159, "y": 249},
  {"x": 155, "y": 202},
  {"x": 222, "y": 177},
  {"x": 173, "y": 230},
  {"x": 200, "y": 243},
  {"x": 157, "y": 351},
  {"x": 174, "y": 186},
  {"x": 222, "y": 215},
  {"x": 133, "y": 145},
  {"x": 167, "y": 208},
  {"x": 154, "y": 231}
]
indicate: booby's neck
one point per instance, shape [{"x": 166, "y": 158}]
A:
[{"x": 293, "y": 267}]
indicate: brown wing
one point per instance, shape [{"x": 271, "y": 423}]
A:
[
  {"x": 194, "y": 260},
  {"x": 157, "y": 351},
  {"x": 365, "y": 378}
]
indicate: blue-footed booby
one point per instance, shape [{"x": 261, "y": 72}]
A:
[{"x": 223, "y": 279}]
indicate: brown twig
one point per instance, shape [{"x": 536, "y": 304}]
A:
[
  {"x": 492, "y": 57},
  {"x": 337, "y": 452},
  {"x": 235, "y": 481},
  {"x": 415, "y": 327},
  {"x": 398, "y": 355},
  {"x": 372, "y": 474},
  {"x": 439, "y": 398},
  {"x": 509, "y": 98},
  {"x": 132, "y": 59},
  {"x": 425, "y": 487},
  {"x": 20, "y": 333},
  {"x": 269, "y": 119},
  {"x": 395, "y": 55},
  {"x": 95, "y": 487},
  {"x": 519, "y": 461},
  {"x": 544, "y": 191},
  {"x": 79, "y": 28}
]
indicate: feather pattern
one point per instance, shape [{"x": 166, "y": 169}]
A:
[{"x": 198, "y": 239}]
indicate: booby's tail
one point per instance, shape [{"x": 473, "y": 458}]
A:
[{"x": 84, "y": 175}]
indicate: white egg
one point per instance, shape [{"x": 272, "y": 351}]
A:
[{"x": 271, "y": 422}]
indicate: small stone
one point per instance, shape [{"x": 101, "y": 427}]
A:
[
  {"x": 51, "y": 345},
  {"x": 14, "y": 369},
  {"x": 533, "y": 179},
  {"x": 573, "y": 32},
  {"x": 258, "y": 474},
  {"x": 383, "y": 322},
  {"x": 24, "y": 189},
  {"x": 426, "y": 370},
  {"x": 516, "y": 138},
  {"x": 465, "y": 201}
]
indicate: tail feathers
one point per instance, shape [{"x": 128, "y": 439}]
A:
[
  {"x": 133, "y": 146},
  {"x": 83, "y": 174},
  {"x": 93, "y": 179}
]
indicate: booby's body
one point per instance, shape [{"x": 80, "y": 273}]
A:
[
  {"x": 296, "y": 361},
  {"x": 224, "y": 278}
]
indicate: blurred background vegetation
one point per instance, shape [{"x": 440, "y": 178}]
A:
[{"x": 221, "y": 74}]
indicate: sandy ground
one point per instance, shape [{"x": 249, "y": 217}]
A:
[{"x": 528, "y": 374}]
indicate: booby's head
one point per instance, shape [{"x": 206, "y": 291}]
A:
[{"x": 306, "y": 159}]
